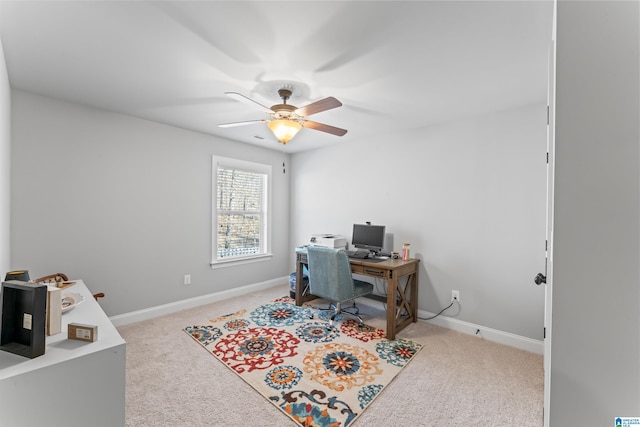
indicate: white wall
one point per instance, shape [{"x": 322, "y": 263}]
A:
[
  {"x": 595, "y": 354},
  {"x": 5, "y": 165},
  {"x": 468, "y": 195},
  {"x": 125, "y": 204}
]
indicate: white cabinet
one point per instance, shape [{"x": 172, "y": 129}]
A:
[{"x": 74, "y": 383}]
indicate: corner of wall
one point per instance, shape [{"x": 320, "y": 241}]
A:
[{"x": 5, "y": 164}]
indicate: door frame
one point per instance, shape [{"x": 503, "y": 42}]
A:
[{"x": 548, "y": 292}]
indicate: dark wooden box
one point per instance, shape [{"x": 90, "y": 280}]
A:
[{"x": 24, "y": 307}]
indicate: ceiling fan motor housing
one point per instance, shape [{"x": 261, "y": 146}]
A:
[{"x": 284, "y": 111}]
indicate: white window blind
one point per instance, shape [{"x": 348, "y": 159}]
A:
[{"x": 240, "y": 217}]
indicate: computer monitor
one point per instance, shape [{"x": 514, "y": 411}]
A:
[{"x": 367, "y": 236}]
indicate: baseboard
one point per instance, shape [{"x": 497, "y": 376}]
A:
[
  {"x": 490, "y": 334},
  {"x": 161, "y": 310}
]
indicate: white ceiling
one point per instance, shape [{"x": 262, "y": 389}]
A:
[{"x": 392, "y": 64}]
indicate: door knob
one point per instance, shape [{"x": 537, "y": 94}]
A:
[{"x": 540, "y": 278}]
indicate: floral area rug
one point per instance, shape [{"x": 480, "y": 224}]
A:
[{"x": 317, "y": 373}]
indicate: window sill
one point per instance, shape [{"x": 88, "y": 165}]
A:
[{"x": 240, "y": 261}]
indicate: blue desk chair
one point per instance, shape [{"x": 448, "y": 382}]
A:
[{"x": 330, "y": 278}]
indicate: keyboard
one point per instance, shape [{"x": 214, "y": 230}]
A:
[{"x": 357, "y": 254}]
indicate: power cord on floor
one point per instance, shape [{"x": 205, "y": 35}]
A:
[
  {"x": 420, "y": 318},
  {"x": 441, "y": 311}
]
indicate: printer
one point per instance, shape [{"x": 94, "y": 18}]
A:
[{"x": 328, "y": 240}]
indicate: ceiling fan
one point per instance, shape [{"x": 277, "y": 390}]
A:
[{"x": 285, "y": 119}]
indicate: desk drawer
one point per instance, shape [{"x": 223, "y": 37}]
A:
[{"x": 373, "y": 271}]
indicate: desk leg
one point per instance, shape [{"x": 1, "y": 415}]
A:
[
  {"x": 392, "y": 290},
  {"x": 401, "y": 300},
  {"x": 414, "y": 296},
  {"x": 299, "y": 289}
]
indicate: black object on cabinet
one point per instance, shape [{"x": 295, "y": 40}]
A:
[{"x": 24, "y": 307}]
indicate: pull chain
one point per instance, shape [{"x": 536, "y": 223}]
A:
[{"x": 283, "y": 159}]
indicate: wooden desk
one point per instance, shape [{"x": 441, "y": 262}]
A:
[{"x": 402, "y": 295}]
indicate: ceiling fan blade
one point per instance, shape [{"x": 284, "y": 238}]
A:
[
  {"x": 248, "y": 122},
  {"x": 324, "y": 128},
  {"x": 240, "y": 97},
  {"x": 318, "y": 106}
]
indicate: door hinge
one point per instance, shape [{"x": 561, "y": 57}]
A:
[
  {"x": 546, "y": 245},
  {"x": 544, "y": 332},
  {"x": 547, "y": 157}
]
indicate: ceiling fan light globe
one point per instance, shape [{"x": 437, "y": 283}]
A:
[{"x": 284, "y": 130}]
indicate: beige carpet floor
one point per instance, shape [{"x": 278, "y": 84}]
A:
[{"x": 456, "y": 379}]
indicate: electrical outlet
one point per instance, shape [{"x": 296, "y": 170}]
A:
[
  {"x": 187, "y": 279},
  {"x": 455, "y": 296}
]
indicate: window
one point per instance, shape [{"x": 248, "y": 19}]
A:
[{"x": 241, "y": 191}]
